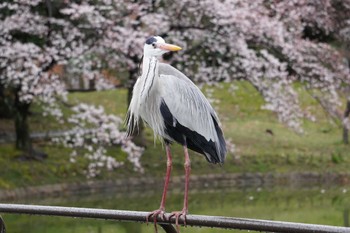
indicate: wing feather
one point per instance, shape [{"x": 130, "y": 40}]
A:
[{"x": 189, "y": 106}]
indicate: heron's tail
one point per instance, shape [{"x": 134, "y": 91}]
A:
[{"x": 131, "y": 122}]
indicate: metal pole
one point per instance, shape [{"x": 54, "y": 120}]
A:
[
  {"x": 191, "y": 220},
  {"x": 2, "y": 225},
  {"x": 168, "y": 228}
]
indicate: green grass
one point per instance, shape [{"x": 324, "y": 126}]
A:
[
  {"x": 319, "y": 149},
  {"x": 114, "y": 102}
]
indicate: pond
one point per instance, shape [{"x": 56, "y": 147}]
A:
[{"x": 317, "y": 205}]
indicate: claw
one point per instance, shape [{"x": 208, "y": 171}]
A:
[
  {"x": 155, "y": 214},
  {"x": 177, "y": 215}
]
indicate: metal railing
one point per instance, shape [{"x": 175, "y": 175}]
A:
[
  {"x": 2, "y": 225},
  {"x": 191, "y": 220}
]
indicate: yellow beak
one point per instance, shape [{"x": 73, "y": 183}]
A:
[{"x": 168, "y": 47}]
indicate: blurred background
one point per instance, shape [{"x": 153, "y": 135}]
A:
[{"x": 277, "y": 73}]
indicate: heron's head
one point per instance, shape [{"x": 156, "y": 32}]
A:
[{"x": 155, "y": 46}]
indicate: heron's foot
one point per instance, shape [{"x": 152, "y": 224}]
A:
[
  {"x": 177, "y": 215},
  {"x": 160, "y": 212}
]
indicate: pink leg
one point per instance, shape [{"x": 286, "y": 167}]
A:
[
  {"x": 187, "y": 178},
  {"x": 184, "y": 211},
  {"x": 161, "y": 210},
  {"x": 167, "y": 176}
]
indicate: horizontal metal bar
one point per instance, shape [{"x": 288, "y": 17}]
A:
[{"x": 191, "y": 220}]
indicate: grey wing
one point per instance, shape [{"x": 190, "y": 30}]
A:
[{"x": 186, "y": 111}]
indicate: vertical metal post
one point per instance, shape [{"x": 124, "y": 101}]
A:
[
  {"x": 346, "y": 218},
  {"x": 168, "y": 228},
  {"x": 2, "y": 225}
]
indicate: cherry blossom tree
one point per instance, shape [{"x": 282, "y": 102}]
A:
[
  {"x": 326, "y": 22},
  {"x": 93, "y": 131},
  {"x": 26, "y": 58},
  {"x": 34, "y": 37}
]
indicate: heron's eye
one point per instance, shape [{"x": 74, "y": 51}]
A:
[{"x": 154, "y": 45}]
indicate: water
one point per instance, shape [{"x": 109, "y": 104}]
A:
[{"x": 309, "y": 205}]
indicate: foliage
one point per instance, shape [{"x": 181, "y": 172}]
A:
[
  {"x": 271, "y": 44},
  {"x": 36, "y": 36},
  {"x": 93, "y": 128}
]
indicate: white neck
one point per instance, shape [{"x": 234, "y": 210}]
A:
[{"x": 149, "y": 75}]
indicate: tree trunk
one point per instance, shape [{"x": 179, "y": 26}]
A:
[
  {"x": 21, "y": 112},
  {"x": 345, "y": 128}
]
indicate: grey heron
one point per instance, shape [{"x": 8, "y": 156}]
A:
[{"x": 177, "y": 111}]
